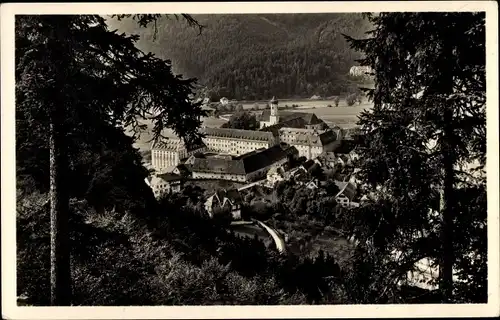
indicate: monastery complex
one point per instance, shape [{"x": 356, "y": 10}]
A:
[{"x": 246, "y": 155}]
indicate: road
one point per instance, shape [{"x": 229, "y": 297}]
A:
[{"x": 263, "y": 232}]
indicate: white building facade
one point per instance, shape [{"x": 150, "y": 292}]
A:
[
  {"x": 236, "y": 142},
  {"x": 309, "y": 142},
  {"x": 169, "y": 153},
  {"x": 274, "y": 117}
]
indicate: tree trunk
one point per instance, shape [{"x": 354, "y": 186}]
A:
[
  {"x": 60, "y": 275},
  {"x": 446, "y": 265}
]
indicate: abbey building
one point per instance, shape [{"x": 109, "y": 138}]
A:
[{"x": 305, "y": 132}]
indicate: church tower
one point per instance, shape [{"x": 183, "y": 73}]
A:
[{"x": 274, "y": 117}]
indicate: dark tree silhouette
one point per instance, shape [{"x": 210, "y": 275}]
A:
[
  {"x": 73, "y": 71},
  {"x": 426, "y": 128}
]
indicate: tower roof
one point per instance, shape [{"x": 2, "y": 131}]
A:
[{"x": 274, "y": 100}]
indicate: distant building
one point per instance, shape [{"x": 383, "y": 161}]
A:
[
  {"x": 224, "y": 101},
  {"x": 164, "y": 183},
  {"x": 236, "y": 141},
  {"x": 182, "y": 170},
  {"x": 225, "y": 200},
  {"x": 248, "y": 167},
  {"x": 167, "y": 154}
]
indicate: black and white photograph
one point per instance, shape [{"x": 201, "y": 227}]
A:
[{"x": 235, "y": 155}]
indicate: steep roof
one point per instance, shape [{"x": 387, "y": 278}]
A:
[
  {"x": 169, "y": 177},
  {"x": 238, "y": 134},
  {"x": 183, "y": 168},
  {"x": 214, "y": 165},
  {"x": 222, "y": 195},
  {"x": 346, "y": 146},
  {"x": 176, "y": 144},
  {"x": 310, "y": 136},
  {"x": 346, "y": 188},
  {"x": 311, "y": 119},
  {"x": 266, "y": 157},
  {"x": 244, "y": 164},
  {"x": 308, "y": 164}
]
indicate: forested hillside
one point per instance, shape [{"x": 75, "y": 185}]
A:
[{"x": 249, "y": 57}]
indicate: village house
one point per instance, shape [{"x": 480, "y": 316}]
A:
[
  {"x": 225, "y": 200},
  {"x": 164, "y": 183},
  {"x": 224, "y": 101},
  {"x": 328, "y": 159},
  {"x": 245, "y": 168},
  {"x": 182, "y": 170},
  {"x": 276, "y": 174}
]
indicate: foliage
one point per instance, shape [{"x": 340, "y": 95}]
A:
[
  {"x": 78, "y": 85},
  {"x": 242, "y": 120},
  {"x": 118, "y": 262},
  {"x": 426, "y": 128},
  {"x": 288, "y": 55},
  {"x": 350, "y": 100}
]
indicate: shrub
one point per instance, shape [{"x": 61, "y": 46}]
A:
[{"x": 350, "y": 100}]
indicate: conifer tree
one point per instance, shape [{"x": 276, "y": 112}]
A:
[
  {"x": 423, "y": 135},
  {"x": 72, "y": 72}
]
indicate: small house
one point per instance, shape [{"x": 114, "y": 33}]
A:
[
  {"x": 164, "y": 183},
  {"x": 275, "y": 174},
  {"x": 225, "y": 200}
]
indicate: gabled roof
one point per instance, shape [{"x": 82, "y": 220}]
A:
[
  {"x": 310, "y": 136},
  {"x": 244, "y": 164},
  {"x": 346, "y": 188},
  {"x": 183, "y": 169},
  {"x": 311, "y": 119},
  {"x": 168, "y": 177},
  {"x": 221, "y": 196},
  {"x": 308, "y": 164},
  {"x": 346, "y": 147}
]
